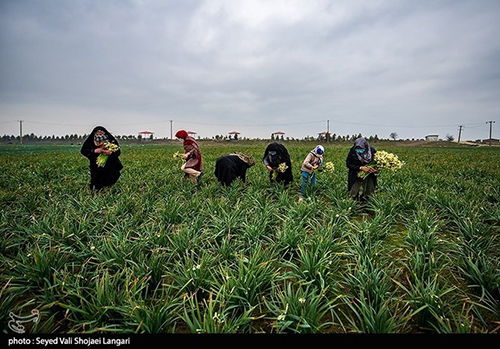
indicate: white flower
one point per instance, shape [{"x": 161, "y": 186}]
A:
[
  {"x": 302, "y": 300},
  {"x": 282, "y": 167}
]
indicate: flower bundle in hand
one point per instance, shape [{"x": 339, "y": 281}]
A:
[
  {"x": 103, "y": 158},
  {"x": 177, "y": 155},
  {"x": 383, "y": 160},
  {"x": 329, "y": 167},
  {"x": 281, "y": 168}
]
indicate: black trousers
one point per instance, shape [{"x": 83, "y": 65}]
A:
[{"x": 365, "y": 186}]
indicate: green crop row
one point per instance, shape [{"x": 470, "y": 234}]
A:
[{"x": 155, "y": 254}]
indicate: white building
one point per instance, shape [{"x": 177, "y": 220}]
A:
[{"x": 432, "y": 138}]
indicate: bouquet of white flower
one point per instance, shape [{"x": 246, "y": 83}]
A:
[
  {"x": 329, "y": 167},
  {"x": 383, "y": 160},
  {"x": 281, "y": 168},
  {"x": 103, "y": 158}
]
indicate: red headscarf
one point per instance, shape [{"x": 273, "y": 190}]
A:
[
  {"x": 181, "y": 134},
  {"x": 187, "y": 139}
]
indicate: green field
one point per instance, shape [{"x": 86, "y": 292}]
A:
[{"x": 156, "y": 255}]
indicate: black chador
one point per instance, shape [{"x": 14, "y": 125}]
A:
[
  {"x": 107, "y": 175},
  {"x": 274, "y": 155},
  {"x": 232, "y": 166}
]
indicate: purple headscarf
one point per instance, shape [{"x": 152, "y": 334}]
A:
[{"x": 366, "y": 157}]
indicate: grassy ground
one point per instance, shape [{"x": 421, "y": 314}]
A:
[{"x": 155, "y": 254}]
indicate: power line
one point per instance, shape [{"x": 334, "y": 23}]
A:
[
  {"x": 394, "y": 125},
  {"x": 471, "y": 125},
  {"x": 182, "y": 121},
  {"x": 55, "y": 124},
  {"x": 250, "y": 125}
]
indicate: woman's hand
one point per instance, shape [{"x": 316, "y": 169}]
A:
[
  {"x": 185, "y": 156},
  {"x": 106, "y": 151},
  {"x": 315, "y": 167},
  {"x": 269, "y": 168},
  {"x": 98, "y": 150},
  {"x": 368, "y": 169}
]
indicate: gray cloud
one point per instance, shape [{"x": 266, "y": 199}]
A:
[{"x": 366, "y": 66}]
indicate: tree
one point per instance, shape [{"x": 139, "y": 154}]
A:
[
  {"x": 450, "y": 138},
  {"x": 394, "y": 136}
]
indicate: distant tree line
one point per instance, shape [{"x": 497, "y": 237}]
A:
[
  {"x": 73, "y": 138},
  {"x": 78, "y": 139}
]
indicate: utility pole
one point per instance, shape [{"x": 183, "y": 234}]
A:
[
  {"x": 491, "y": 125},
  {"x": 171, "y": 132},
  {"x": 327, "y": 131},
  {"x": 459, "y": 133},
  {"x": 21, "y": 131}
]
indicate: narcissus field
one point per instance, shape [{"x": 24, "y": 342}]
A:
[{"x": 155, "y": 254}]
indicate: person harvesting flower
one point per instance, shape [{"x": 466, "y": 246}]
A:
[
  {"x": 193, "y": 168},
  {"x": 232, "y": 166},
  {"x": 278, "y": 163},
  {"x": 311, "y": 163},
  {"x": 102, "y": 150},
  {"x": 358, "y": 158}
]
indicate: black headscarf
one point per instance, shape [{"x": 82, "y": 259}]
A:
[
  {"x": 282, "y": 156},
  {"x": 89, "y": 142},
  {"x": 102, "y": 176}
]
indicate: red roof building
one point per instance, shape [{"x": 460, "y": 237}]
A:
[{"x": 146, "y": 136}]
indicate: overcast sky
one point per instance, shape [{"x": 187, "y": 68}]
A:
[{"x": 370, "y": 67}]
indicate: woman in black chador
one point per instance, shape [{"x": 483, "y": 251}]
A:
[
  {"x": 107, "y": 175},
  {"x": 274, "y": 156},
  {"x": 232, "y": 166},
  {"x": 360, "y": 155}
]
